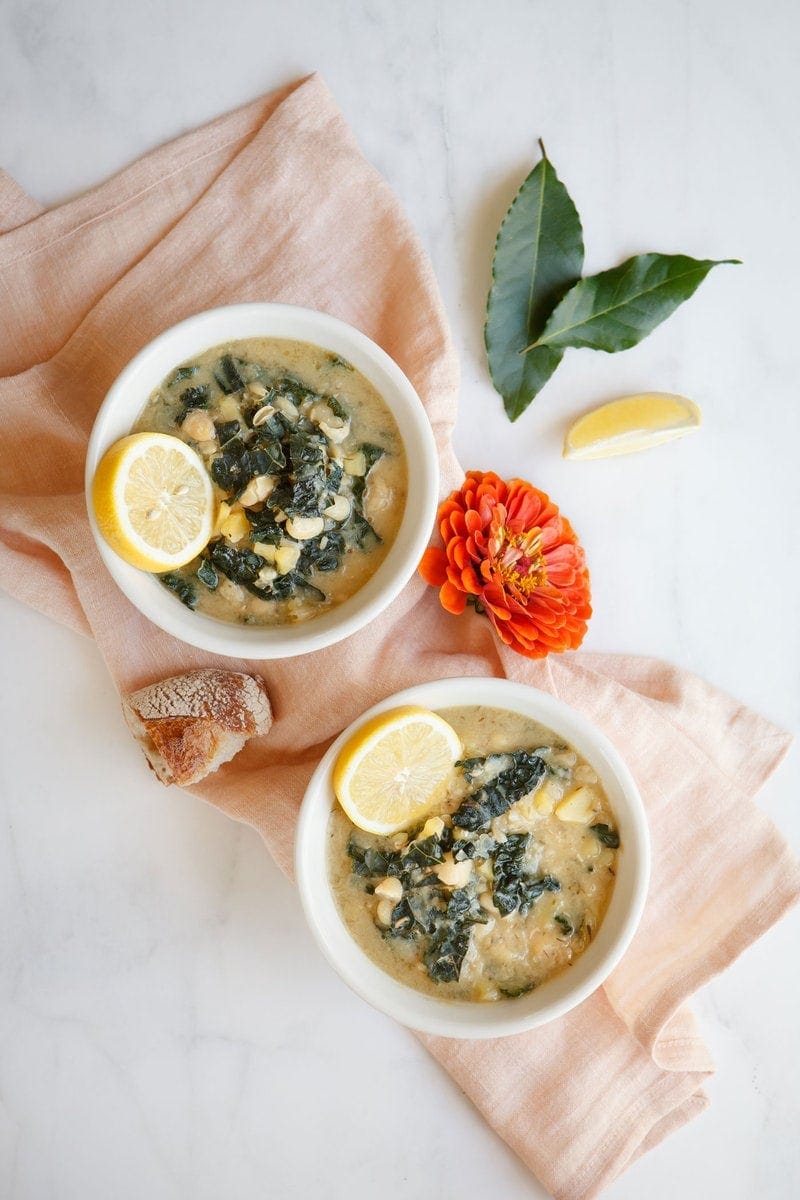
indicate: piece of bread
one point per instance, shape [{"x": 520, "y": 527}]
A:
[{"x": 189, "y": 725}]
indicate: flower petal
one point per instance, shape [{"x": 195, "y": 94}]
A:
[
  {"x": 433, "y": 567},
  {"x": 452, "y": 599}
]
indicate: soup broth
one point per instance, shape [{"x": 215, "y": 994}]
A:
[
  {"x": 496, "y": 909},
  {"x": 309, "y": 470}
]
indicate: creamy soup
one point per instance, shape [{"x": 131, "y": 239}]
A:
[
  {"x": 309, "y": 470},
  {"x": 504, "y": 887}
]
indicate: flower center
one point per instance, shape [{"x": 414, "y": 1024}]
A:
[{"x": 521, "y": 560}]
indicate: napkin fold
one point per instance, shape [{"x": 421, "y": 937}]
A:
[{"x": 275, "y": 202}]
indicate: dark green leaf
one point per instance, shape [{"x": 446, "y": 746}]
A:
[
  {"x": 336, "y": 407},
  {"x": 404, "y": 924},
  {"x": 538, "y": 257},
  {"x": 513, "y": 992},
  {"x": 229, "y": 373},
  {"x": 337, "y": 361},
  {"x": 618, "y": 308},
  {"x": 361, "y": 532},
  {"x": 193, "y": 397},
  {"x": 176, "y": 583},
  {"x": 446, "y": 952},
  {"x": 294, "y": 390},
  {"x": 475, "y": 845},
  {"x": 565, "y": 923},
  {"x": 514, "y": 886},
  {"x": 608, "y": 836},
  {"x": 227, "y": 431},
  {"x": 498, "y": 795},
  {"x": 318, "y": 557},
  {"x": 286, "y": 585},
  {"x": 371, "y": 453},
  {"x": 207, "y": 575},
  {"x": 242, "y": 566},
  {"x": 335, "y": 476},
  {"x": 181, "y": 374},
  {"x": 264, "y": 528}
]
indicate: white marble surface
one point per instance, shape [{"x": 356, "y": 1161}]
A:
[{"x": 167, "y": 1028}]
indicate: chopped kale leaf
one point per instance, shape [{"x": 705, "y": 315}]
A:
[
  {"x": 369, "y": 862},
  {"x": 285, "y": 586},
  {"x": 227, "y": 431},
  {"x": 480, "y": 846},
  {"x": 426, "y": 853},
  {"x": 207, "y": 575},
  {"x": 316, "y": 557},
  {"x": 514, "y": 885},
  {"x": 238, "y": 464},
  {"x": 306, "y": 449},
  {"x": 511, "y": 993},
  {"x": 294, "y": 390},
  {"x": 272, "y": 448},
  {"x": 371, "y": 453},
  {"x": 404, "y": 924},
  {"x": 608, "y": 836},
  {"x": 181, "y": 587},
  {"x": 242, "y": 566},
  {"x": 275, "y": 426},
  {"x": 299, "y": 499},
  {"x": 193, "y": 397},
  {"x": 565, "y": 923},
  {"x": 446, "y": 952},
  {"x": 498, "y": 795},
  {"x": 337, "y": 361},
  {"x": 337, "y": 408},
  {"x": 335, "y": 475},
  {"x": 264, "y": 528},
  {"x": 360, "y": 533},
  {"x": 472, "y": 767},
  {"x": 464, "y": 906},
  {"x": 229, "y": 374},
  {"x": 181, "y": 374}
]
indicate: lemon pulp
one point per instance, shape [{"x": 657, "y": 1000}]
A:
[
  {"x": 395, "y": 768},
  {"x": 630, "y": 424},
  {"x": 153, "y": 501}
]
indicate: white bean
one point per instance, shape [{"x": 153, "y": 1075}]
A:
[
  {"x": 303, "y": 528},
  {"x": 339, "y": 509},
  {"x": 389, "y": 888},
  {"x": 198, "y": 426}
]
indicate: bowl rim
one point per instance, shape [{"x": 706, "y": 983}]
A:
[
  {"x": 266, "y": 319},
  {"x": 470, "y": 1019}
]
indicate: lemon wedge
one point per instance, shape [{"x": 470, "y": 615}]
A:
[
  {"x": 153, "y": 501},
  {"x": 395, "y": 768},
  {"x": 630, "y": 424}
]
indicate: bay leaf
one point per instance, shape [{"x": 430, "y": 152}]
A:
[
  {"x": 538, "y": 257},
  {"x": 618, "y": 308}
]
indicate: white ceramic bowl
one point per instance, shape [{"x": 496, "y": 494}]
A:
[
  {"x": 128, "y": 396},
  {"x": 463, "y": 1018}
]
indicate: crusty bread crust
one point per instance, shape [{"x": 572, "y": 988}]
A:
[{"x": 189, "y": 725}]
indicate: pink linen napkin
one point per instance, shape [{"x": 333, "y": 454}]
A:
[{"x": 275, "y": 202}]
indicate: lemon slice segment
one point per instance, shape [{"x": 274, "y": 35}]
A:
[
  {"x": 630, "y": 424},
  {"x": 395, "y": 768},
  {"x": 153, "y": 501}
]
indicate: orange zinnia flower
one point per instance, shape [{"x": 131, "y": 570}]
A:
[{"x": 510, "y": 553}]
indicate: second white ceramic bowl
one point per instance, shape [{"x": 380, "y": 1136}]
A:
[
  {"x": 126, "y": 399},
  {"x": 463, "y": 1018}
]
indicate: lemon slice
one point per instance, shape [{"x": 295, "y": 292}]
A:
[
  {"x": 395, "y": 768},
  {"x": 153, "y": 501},
  {"x": 632, "y": 423}
]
